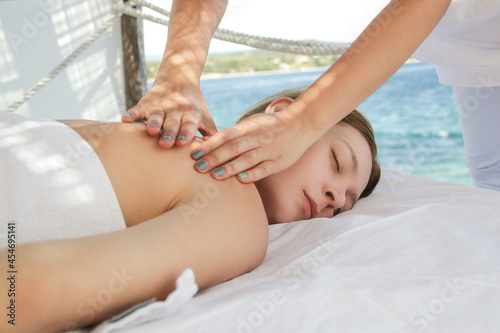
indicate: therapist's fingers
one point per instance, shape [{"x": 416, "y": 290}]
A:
[
  {"x": 235, "y": 143},
  {"x": 170, "y": 126},
  {"x": 188, "y": 126},
  {"x": 207, "y": 126},
  {"x": 242, "y": 147},
  {"x": 155, "y": 120},
  {"x": 260, "y": 171},
  {"x": 136, "y": 113},
  {"x": 220, "y": 138},
  {"x": 239, "y": 167}
]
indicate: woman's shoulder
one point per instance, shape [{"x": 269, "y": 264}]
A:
[
  {"x": 229, "y": 198},
  {"x": 230, "y": 217}
]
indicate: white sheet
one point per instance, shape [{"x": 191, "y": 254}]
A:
[{"x": 418, "y": 255}]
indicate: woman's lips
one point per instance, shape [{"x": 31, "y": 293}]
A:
[{"x": 310, "y": 207}]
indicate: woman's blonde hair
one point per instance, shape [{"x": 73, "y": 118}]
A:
[{"x": 354, "y": 119}]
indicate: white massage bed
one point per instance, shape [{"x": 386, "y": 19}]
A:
[{"x": 418, "y": 255}]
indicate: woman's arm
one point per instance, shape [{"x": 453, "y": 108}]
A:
[
  {"x": 77, "y": 282},
  {"x": 268, "y": 143}
]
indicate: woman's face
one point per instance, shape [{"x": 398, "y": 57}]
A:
[{"x": 328, "y": 178}]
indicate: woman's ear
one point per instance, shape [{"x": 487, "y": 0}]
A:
[{"x": 279, "y": 104}]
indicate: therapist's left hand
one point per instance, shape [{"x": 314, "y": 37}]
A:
[{"x": 253, "y": 149}]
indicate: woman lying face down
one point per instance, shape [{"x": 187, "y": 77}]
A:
[
  {"x": 176, "y": 218},
  {"x": 336, "y": 171}
]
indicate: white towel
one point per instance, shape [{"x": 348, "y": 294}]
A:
[
  {"x": 52, "y": 183},
  {"x": 186, "y": 288}
]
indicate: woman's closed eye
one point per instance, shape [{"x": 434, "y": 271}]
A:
[{"x": 336, "y": 166}]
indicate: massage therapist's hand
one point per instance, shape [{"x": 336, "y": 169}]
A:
[
  {"x": 175, "y": 105},
  {"x": 177, "y": 108},
  {"x": 258, "y": 146}
]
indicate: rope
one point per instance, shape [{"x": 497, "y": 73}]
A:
[
  {"x": 260, "y": 42},
  {"x": 266, "y": 43},
  {"x": 49, "y": 77},
  {"x": 150, "y": 6}
]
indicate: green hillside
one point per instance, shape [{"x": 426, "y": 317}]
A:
[{"x": 254, "y": 61}]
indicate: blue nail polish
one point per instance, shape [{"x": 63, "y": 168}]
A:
[
  {"x": 202, "y": 165},
  {"x": 198, "y": 154},
  {"x": 128, "y": 115},
  {"x": 243, "y": 175},
  {"x": 166, "y": 138},
  {"x": 219, "y": 172},
  {"x": 154, "y": 125},
  {"x": 181, "y": 138}
]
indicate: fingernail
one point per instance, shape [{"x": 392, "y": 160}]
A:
[
  {"x": 243, "y": 175},
  {"x": 181, "y": 138},
  {"x": 128, "y": 115},
  {"x": 198, "y": 154},
  {"x": 202, "y": 165},
  {"x": 154, "y": 125},
  {"x": 219, "y": 172},
  {"x": 166, "y": 138}
]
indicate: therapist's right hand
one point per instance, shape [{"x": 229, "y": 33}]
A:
[{"x": 176, "y": 108}]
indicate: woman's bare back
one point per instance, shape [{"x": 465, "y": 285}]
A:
[{"x": 148, "y": 180}]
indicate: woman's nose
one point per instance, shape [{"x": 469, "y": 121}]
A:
[
  {"x": 336, "y": 198},
  {"x": 333, "y": 203}
]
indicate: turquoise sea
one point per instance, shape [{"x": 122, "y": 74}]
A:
[{"x": 414, "y": 117}]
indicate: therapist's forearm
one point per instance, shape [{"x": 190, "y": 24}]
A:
[
  {"x": 191, "y": 27},
  {"x": 382, "y": 48}
]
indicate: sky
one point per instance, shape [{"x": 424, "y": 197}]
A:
[{"x": 326, "y": 20}]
